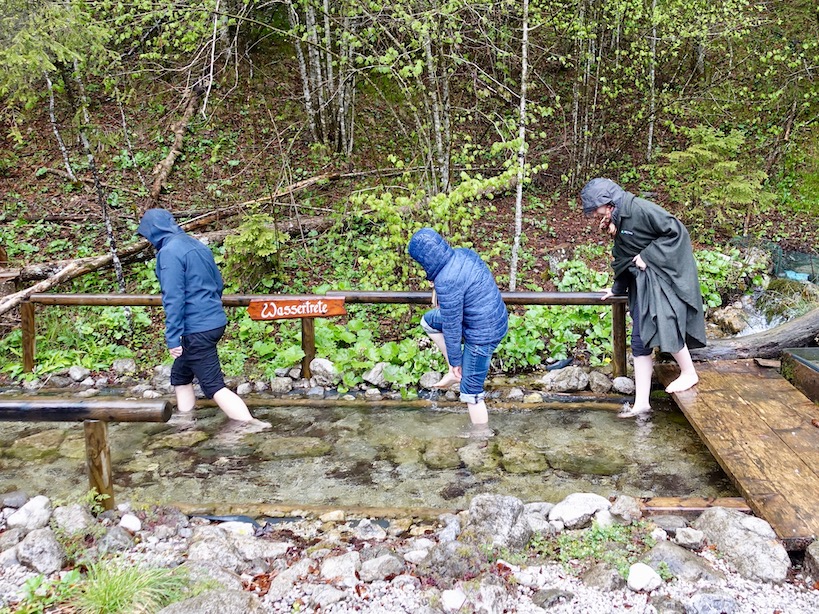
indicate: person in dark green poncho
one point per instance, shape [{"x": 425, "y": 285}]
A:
[{"x": 654, "y": 264}]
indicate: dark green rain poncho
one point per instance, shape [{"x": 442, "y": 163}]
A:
[{"x": 666, "y": 296}]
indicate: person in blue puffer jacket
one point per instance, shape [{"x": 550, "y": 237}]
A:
[
  {"x": 469, "y": 322},
  {"x": 194, "y": 317}
]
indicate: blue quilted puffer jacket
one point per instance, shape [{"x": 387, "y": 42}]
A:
[{"x": 471, "y": 305}]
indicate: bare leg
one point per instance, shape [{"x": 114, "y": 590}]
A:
[
  {"x": 478, "y": 413},
  {"x": 235, "y": 408},
  {"x": 688, "y": 375},
  {"x": 643, "y": 370},
  {"x": 185, "y": 398},
  {"x": 449, "y": 378}
]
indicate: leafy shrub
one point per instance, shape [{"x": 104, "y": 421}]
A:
[
  {"x": 726, "y": 274},
  {"x": 252, "y": 256}
]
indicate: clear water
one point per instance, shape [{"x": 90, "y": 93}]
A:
[{"x": 382, "y": 456}]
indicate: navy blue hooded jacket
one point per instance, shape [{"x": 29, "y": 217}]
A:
[
  {"x": 190, "y": 281},
  {"x": 471, "y": 305}
]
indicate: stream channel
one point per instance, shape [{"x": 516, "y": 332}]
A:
[{"x": 373, "y": 455}]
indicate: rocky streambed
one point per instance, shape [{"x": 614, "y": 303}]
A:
[{"x": 497, "y": 555}]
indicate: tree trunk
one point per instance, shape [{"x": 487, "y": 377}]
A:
[
  {"x": 799, "y": 332},
  {"x": 53, "y": 117},
  {"x": 513, "y": 266}
]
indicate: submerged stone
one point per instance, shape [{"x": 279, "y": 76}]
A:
[
  {"x": 588, "y": 459},
  {"x": 293, "y": 447},
  {"x": 41, "y": 445},
  {"x": 443, "y": 453},
  {"x": 184, "y": 439},
  {"x": 519, "y": 457}
]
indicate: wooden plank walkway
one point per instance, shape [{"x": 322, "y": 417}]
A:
[{"x": 758, "y": 427}]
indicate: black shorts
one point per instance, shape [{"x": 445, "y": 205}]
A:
[{"x": 200, "y": 360}]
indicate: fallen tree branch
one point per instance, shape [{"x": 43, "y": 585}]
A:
[
  {"x": 799, "y": 332},
  {"x": 67, "y": 270},
  {"x": 163, "y": 169}
]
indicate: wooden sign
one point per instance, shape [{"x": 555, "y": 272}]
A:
[{"x": 279, "y": 309}]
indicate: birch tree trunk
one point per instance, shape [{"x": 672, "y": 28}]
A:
[
  {"x": 102, "y": 198},
  {"x": 513, "y": 266},
  {"x": 53, "y": 118},
  {"x": 323, "y": 36},
  {"x": 652, "y": 71}
]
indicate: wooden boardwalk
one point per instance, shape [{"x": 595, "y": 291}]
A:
[{"x": 759, "y": 428}]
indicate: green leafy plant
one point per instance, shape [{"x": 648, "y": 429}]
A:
[
  {"x": 253, "y": 254},
  {"x": 40, "y": 595},
  {"x": 726, "y": 274},
  {"x": 618, "y": 545}
]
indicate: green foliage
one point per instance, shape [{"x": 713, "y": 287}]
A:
[
  {"x": 557, "y": 332},
  {"x": 726, "y": 274},
  {"x": 47, "y": 35},
  {"x": 120, "y": 587},
  {"x": 715, "y": 183},
  {"x": 252, "y": 256},
  {"x": 618, "y": 545},
  {"x": 41, "y": 595},
  {"x": 382, "y": 258}
]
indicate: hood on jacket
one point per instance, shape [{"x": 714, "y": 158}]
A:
[
  {"x": 599, "y": 192},
  {"x": 430, "y": 250},
  {"x": 158, "y": 225}
]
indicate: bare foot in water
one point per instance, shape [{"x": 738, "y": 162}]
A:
[
  {"x": 683, "y": 382},
  {"x": 446, "y": 381},
  {"x": 633, "y": 412}
]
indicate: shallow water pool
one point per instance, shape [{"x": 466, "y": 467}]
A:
[{"x": 385, "y": 455}]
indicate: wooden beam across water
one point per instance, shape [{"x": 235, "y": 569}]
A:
[{"x": 759, "y": 429}]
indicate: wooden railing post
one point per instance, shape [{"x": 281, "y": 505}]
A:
[
  {"x": 618, "y": 342},
  {"x": 27, "y": 325},
  {"x": 308, "y": 345},
  {"x": 98, "y": 460}
]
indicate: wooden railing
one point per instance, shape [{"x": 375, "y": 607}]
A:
[
  {"x": 617, "y": 304},
  {"x": 95, "y": 414}
]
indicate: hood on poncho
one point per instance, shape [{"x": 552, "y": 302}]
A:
[
  {"x": 430, "y": 250},
  {"x": 158, "y": 225},
  {"x": 599, "y": 192}
]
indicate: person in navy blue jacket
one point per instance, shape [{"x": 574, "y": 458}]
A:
[
  {"x": 194, "y": 317},
  {"x": 469, "y": 322}
]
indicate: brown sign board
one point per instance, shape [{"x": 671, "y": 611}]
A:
[{"x": 279, "y": 309}]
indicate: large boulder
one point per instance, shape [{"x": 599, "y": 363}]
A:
[
  {"x": 747, "y": 542},
  {"x": 499, "y": 520}
]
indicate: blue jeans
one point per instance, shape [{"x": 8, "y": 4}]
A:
[{"x": 474, "y": 364}]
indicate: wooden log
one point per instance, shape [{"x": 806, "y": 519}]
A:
[
  {"x": 27, "y": 324},
  {"x": 285, "y": 510},
  {"x": 691, "y": 506},
  {"x": 308, "y": 345},
  {"x": 799, "y": 332},
  {"x": 78, "y": 410},
  {"x": 98, "y": 461},
  {"x": 618, "y": 339},
  {"x": 510, "y": 298},
  {"x": 163, "y": 169}
]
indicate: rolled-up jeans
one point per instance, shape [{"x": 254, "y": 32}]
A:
[{"x": 474, "y": 363}]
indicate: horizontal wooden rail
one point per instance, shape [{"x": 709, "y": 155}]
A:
[
  {"x": 510, "y": 298},
  {"x": 95, "y": 414},
  {"x": 76, "y": 410},
  {"x": 617, "y": 304}
]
